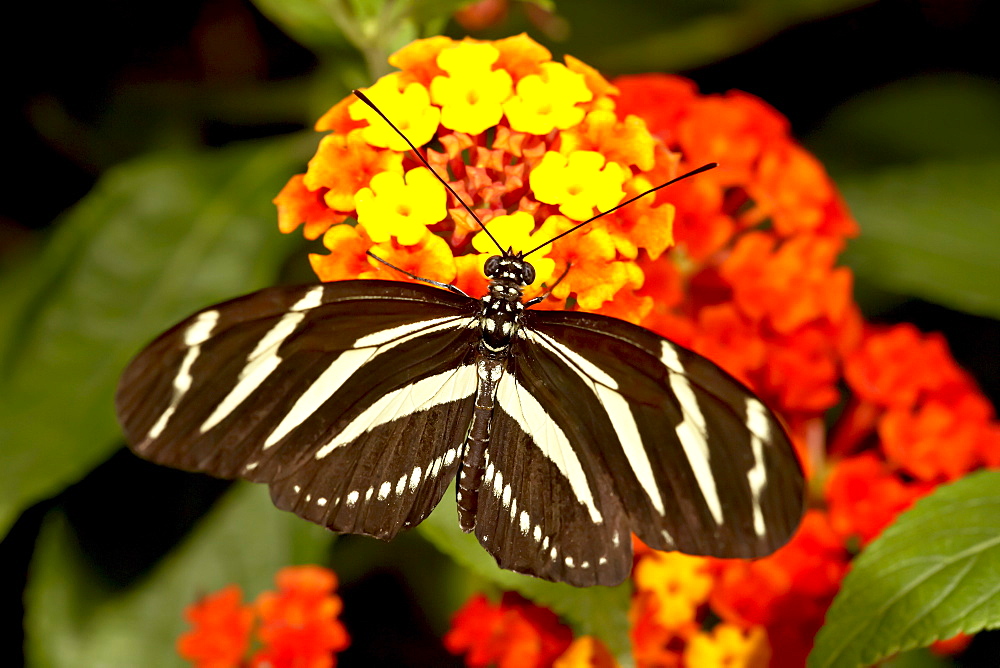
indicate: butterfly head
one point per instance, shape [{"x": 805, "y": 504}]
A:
[{"x": 510, "y": 268}]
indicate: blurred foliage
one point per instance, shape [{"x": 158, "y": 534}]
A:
[
  {"x": 76, "y": 617},
  {"x": 930, "y": 230},
  {"x": 172, "y": 226},
  {"x": 158, "y": 238}
]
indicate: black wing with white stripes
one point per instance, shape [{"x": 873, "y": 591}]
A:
[
  {"x": 629, "y": 432},
  {"x": 351, "y": 399}
]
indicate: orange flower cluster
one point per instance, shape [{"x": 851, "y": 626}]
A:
[
  {"x": 753, "y": 285},
  {"x": 296, "y": 626},
  {"x": 744, "y": 273}
]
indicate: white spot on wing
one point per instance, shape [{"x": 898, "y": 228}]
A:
[
  {"x": 415, "y": 478},
  {"x": 310, "y": 300},
  {"x": 383, "y": 490},
  {"x": 352, "y": 498},
  {"x": 199, "y": 330}
]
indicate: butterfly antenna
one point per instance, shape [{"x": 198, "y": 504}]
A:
[
  {"x": 703, "y": 168},
  {"x": 364, "y": 98}
]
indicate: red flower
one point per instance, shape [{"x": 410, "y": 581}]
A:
[
  {"x": 298, "y": 624},
  {"x": 221, "y": 634},
  {"x": 513, "y": 634},
  {"x": 865, "y": 496}
]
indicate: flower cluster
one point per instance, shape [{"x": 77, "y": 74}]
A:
[
  {"x": 744, "y": 273},
  {"x": 296, "y": 626},
  {"x": 532, "y": 145},
  {"x": 512, "y": 634}
]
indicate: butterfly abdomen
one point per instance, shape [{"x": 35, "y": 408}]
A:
[{"x": 476, "y": 451}]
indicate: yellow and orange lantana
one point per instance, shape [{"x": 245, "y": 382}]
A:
[{"x": 531, "y": 144}]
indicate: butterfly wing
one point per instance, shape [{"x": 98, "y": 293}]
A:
[
  {"x": 311, "y": 390},
  {"x": 603, "y": 427}
]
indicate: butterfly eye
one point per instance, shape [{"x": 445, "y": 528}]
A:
[
  {"x": 491, "y": 266},
  {"x": 528, "y": 274}
]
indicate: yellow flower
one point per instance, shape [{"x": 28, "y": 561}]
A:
[
  {"x": 410, "y": 109},
  {"x": 679, "y": 583},
  {"x": 516, "y": 231},
  {"x": 586, "y": 652},
  {"x": 471, "y": 95},
  {"x": 392, "y": 208},
  {"x": 547, "y": 101},
  {"x": 578, "y": 184},
  {"x": 727, "y": 646}
]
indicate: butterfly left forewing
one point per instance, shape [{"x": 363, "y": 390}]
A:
[{"x": 310, "y": 389}]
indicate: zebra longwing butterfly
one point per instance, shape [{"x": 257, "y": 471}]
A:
[{"x": 358, "y": 402}]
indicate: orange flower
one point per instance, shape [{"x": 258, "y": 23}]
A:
[
  {"x": 788, "y": 592},
  {"x": 221, "y": 634},
  {"x": 865, "y": 496},
  {"x": 586, "y": 652},
  {"x": 898, "y": 365},
  {"x": 299, "y": 625},
  {"x": 344, "y": 164},
  {"x": 512, "y": 634},
  {"x": 297, "y": 204}
]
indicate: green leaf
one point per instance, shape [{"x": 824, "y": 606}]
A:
[
  {"x": 932, "y": 574},
  {"x": 75, "y": 619},
  {"x": 597, "y": 611},
  {"x": 309, "y": 22},
  {"x": 930, "y": 231},
  {"x": 932, "y": 117},
  {"x": 156, "y": 239}
]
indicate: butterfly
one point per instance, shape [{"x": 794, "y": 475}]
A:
[{"x": 359, "y": 402}]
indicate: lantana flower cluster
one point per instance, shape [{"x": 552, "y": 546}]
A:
[
  {"x": 295, "y": 626},
  {"x": 738, "y": 264},
  {"x": 534, "y": 146}
]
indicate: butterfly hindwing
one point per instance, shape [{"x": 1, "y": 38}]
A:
[
  {"x": 311, "y": 389},
  {"x": 547, "y": 506},
  {"x": 697, "y": 462}
]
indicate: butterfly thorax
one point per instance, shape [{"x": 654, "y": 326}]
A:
[{"x": 502, "y": 305}]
